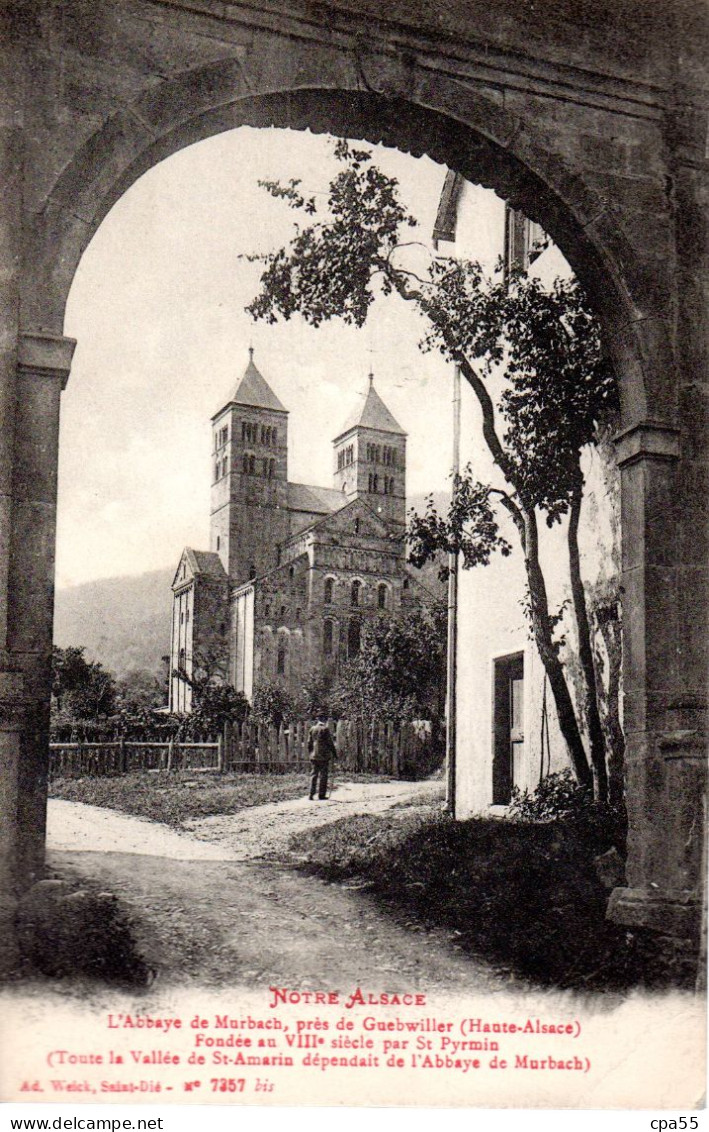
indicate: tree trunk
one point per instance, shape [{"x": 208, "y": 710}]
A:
[
  {"x": 548, "y": 651},
  {"x": 610, "y": 629},
  {"x": 525, "y": 521},
  {"x": 588, "y": 668}
]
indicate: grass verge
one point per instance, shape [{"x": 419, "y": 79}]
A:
[
  {"x": 524, "y": 896},
  {"x": 178, "y": 797}
]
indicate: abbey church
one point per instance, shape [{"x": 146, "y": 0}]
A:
[{"x": 293, "y": 570}]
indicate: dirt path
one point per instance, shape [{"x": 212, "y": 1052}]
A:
[
  {"x": 209, "y": 913},
  {"x": 263, "y": 830},
  {"x": 253, "y": 833}
]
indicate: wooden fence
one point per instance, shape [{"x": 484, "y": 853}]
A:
[
  {"x": 403, "y": 750},
  {"x": 111, "y": 757}
]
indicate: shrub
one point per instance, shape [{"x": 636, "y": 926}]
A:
[
  {"x": 556, "y": 796},
  {"x": 64, "y": 931},
  {"x": 273, "y": 704}
]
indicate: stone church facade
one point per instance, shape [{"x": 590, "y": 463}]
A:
[{"x": 293, "y": 570}]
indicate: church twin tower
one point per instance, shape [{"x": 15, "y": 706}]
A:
[
  {"x": 293, "y": 570},
  {"x": 255, "y": 510}
]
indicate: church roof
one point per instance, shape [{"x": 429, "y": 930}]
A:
[
  {"x": 252, "y": 389},
  {"x": 208, "y": 562},
  {"x": 372, "y": 413},
  {"x": 205, "y": 562},
  {"x": 336, "y": 517},
  {"x": 306, "y": 497}
]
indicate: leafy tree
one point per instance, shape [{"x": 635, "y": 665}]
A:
[
  {"x": 69, "y": 669},
  {"x": 140, "y": 690},
  {"x": 213, "y": 705},
  {"x": 400, "y": 670},
  {"x": 214, "y": 701},
  {"x": 82, "y": 689},
  {"x": 317, "y": 695},
  {"x": 532, "y": 357},
  {"x": 273, "y": 704}
]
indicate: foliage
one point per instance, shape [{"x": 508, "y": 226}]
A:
[
  {"x": 400, "y": 670},
  {"x": 470, "y": 528},
  {"x": 214, "y": 701},
  {"x": 363, "y": 228},
  {"x": 556, "y": 796},
  {"x": 532, "y": 356},
  {"x": 140, "y": 690},
  {"x": 81, "y": 689},
  {"x": 63, "y": 930},
  {"x": 139, "y": 724},
  {"x": 317, "y": 695},
  {"x": 273, "y": 704},
  {"x": 213, "y": 705}
]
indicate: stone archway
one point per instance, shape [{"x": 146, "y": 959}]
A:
[{"x": 552, "y": 153}]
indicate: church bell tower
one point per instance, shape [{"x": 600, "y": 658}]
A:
[
  {"x": 249, "y": 516},
  {"x": 370, "y": 458}
]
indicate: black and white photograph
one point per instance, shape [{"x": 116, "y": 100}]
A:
[{"x": 353, "y": 555}]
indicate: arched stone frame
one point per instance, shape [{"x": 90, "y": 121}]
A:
[
  {"x": 264, "y": 666},
  {"x": 388, "y": 599},
  {"x": 296, "y": 657},
  {"x": 329, "y": 655},
  {"x": 362, "y": 592},
  {"x": 354, "y": 635},
  {"x": 283, "y": 647},
  {"x": 404, "y": 105},
  {"x": 333, "y": 582}
]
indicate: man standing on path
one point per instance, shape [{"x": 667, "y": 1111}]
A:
[{"x": 321, "y": 747}]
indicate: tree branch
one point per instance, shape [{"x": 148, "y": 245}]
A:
[
  {"x": 516, "y": 512},
  {"x": 471, "y": 376}
]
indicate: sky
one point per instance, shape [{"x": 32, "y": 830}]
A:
[{"x": 157, "y": 308}]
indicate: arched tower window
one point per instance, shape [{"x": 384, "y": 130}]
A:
[
  {"x": 353, "y": 637},
  {"x": 281, "y": 657},
  {"x": 381, "y": 596},
  {"x": 355, "y": 593},
  {"x": 327, "y": 638},
  {"x": 327, "y": 593}
]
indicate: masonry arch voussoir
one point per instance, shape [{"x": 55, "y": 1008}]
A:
[{"x": 457, "y": 125}]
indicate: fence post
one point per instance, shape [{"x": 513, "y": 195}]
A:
[
  {"x": 244, "y": 743},
  {"x": 122, "y": 755},
  {"x": 258, "y": 752},
  {"x": 388, "y": 746},
  {"x": 220, "y": 753},
  {"x": 228, "y": 742}
]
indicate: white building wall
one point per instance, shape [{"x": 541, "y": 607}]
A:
[
  {"x": 491, "y": 621},
  {"x": 243, "y": 638},
  {"x": 181, "y": 652}
]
